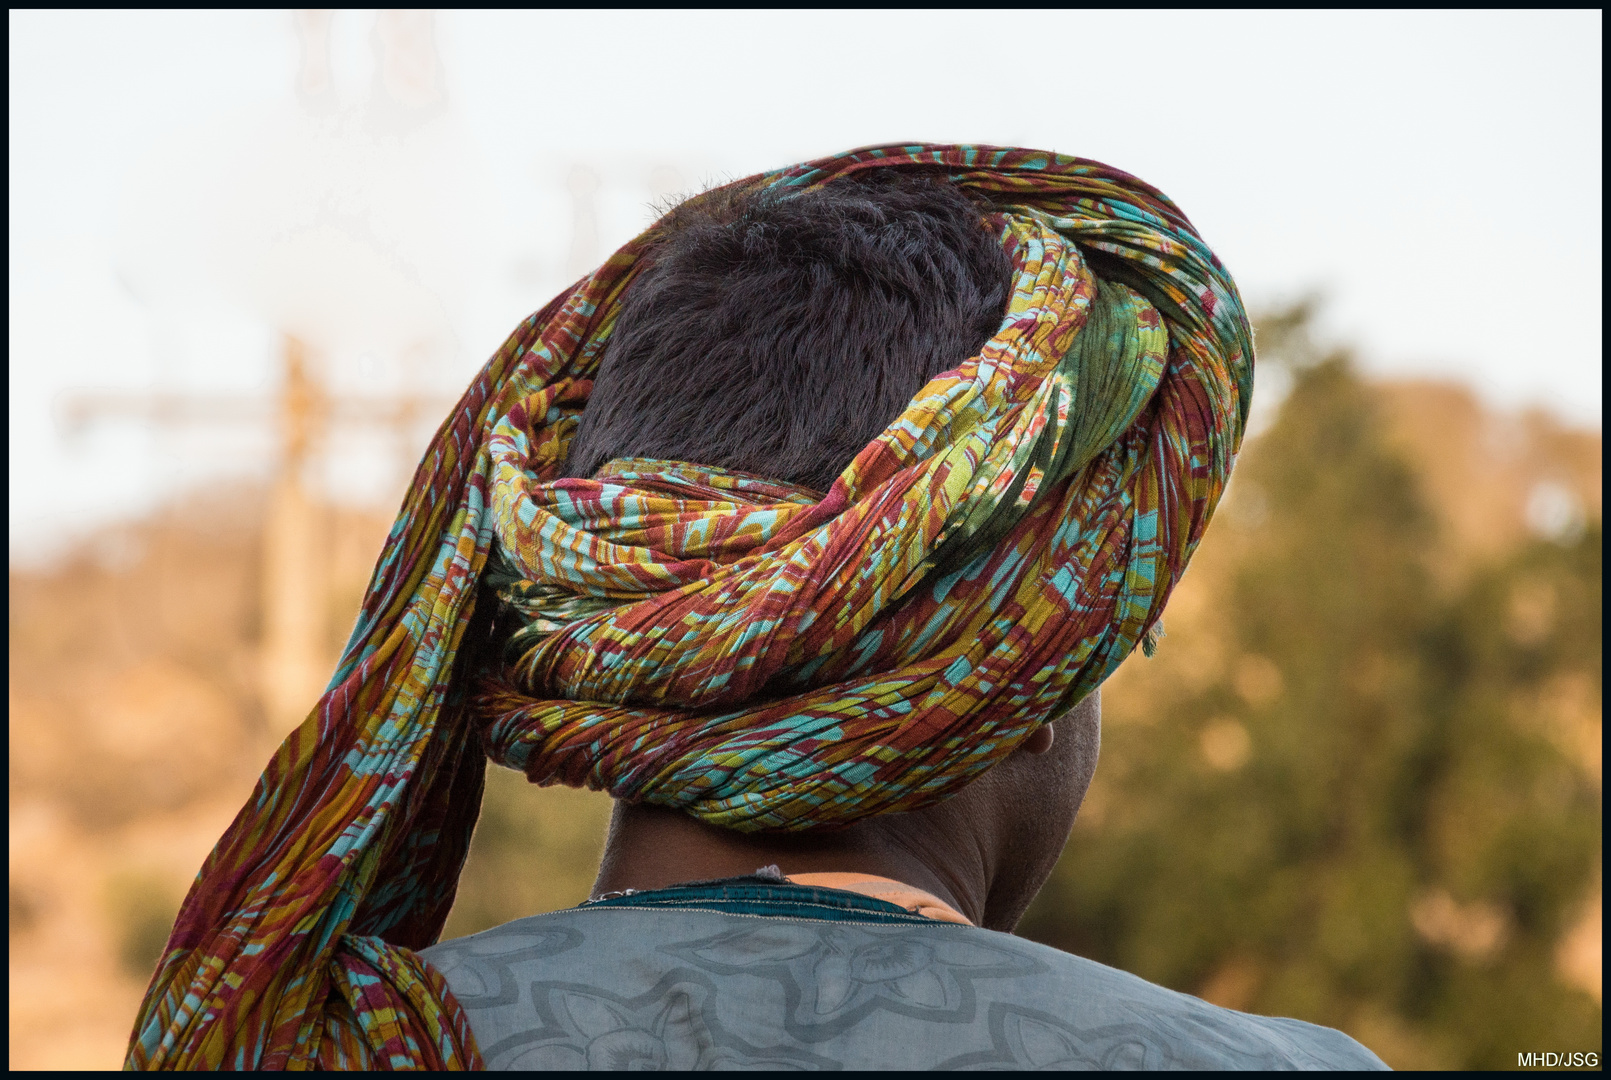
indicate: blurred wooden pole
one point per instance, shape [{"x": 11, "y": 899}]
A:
[{"x": 293, "y": 664}]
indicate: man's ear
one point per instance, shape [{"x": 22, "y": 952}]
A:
[{"x": 1039, "y": 741}]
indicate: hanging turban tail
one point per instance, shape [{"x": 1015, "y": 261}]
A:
[{"x": 760, "y": 656}]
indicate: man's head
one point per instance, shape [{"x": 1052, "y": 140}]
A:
[{"x": 779, "y": 333}]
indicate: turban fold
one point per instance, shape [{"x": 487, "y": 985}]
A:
[{"x": 756, "y": 654}]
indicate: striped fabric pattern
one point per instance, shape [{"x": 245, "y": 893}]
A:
[{"x": 761, "y": 656}]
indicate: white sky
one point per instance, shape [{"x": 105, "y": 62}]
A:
[{"x": 1436, "y": 175}]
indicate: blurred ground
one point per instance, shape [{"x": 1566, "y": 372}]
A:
[{"x": 137, "y": 732}]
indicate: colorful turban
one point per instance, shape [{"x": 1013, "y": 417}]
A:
[{"x": 756, "y": 654}]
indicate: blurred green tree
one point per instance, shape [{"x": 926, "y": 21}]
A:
[
  {"x": 534, "y": 850},
  {"x": 1371, "y": 806}
]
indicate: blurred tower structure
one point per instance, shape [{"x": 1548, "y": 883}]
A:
[
  {"x": 321, "y": 230},
  {"x": 293, "y": 592},
  {"x": 407, "y": 91}
]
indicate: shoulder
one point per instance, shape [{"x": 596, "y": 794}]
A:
[
  {"x": 1144, "y": 1025},
  {"x": 693, "y": 985}
]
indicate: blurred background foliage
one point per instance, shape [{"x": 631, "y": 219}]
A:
[
  {"x": 1358, "y": 784},
  {"x": 1351, "y": 794}
]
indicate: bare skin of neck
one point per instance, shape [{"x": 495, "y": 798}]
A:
[{"x": 986, "y": 851}]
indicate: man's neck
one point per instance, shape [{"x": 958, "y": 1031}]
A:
[{"x": 651, "y": 848}]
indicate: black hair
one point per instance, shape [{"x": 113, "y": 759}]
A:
[{"x": 778, "y": 331}]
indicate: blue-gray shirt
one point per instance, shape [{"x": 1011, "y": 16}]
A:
[{"x": 751, "y": 975}]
